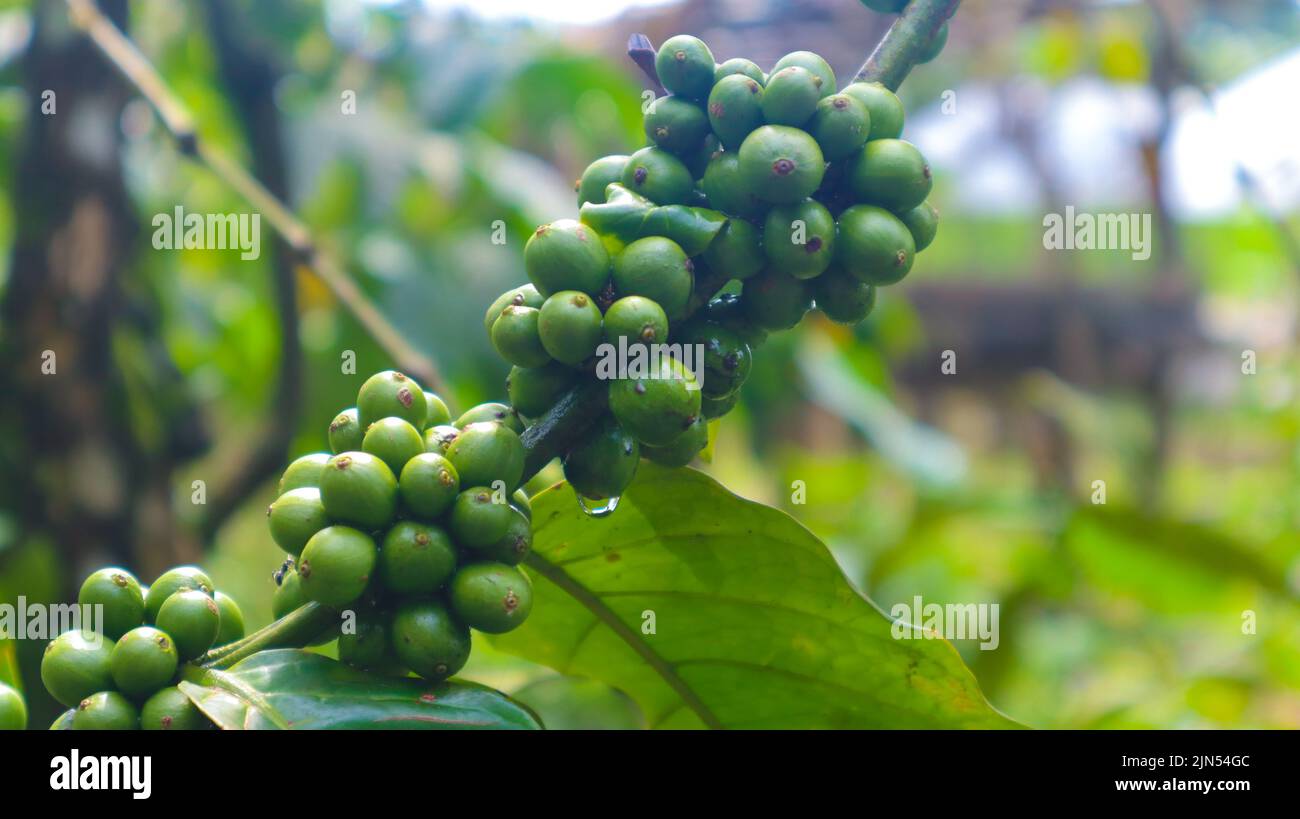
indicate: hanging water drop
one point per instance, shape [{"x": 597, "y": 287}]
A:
[{"x": 598, "y": 508}]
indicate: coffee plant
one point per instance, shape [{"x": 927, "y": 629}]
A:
[{"x": 760, "y": 196}]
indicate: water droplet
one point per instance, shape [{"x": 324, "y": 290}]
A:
[{"x": 598, "y": 508}]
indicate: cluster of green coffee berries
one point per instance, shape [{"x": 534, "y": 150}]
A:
[
  {"x": 772, "y": 184},
  {"x": 413, "y": 524},
  {"x": 123, "y": 675}
]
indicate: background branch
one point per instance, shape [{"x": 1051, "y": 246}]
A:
[{"x": 133, "y": 65}]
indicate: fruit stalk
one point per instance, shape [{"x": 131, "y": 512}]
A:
[
  {"x": 294, "y": 630},
  {"x": 904, "y": 43},
  {"x": 563, "y": 425}
]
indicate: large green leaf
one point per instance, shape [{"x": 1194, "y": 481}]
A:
[
  {"x": 288, "y": 688},
  {"x": 754, "y": 624}
]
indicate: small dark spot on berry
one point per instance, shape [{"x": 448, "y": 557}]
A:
[
  {"x": 639, "y": 176},
  {"x": 640, "y": 388},
  {"x": 783, "y": 167},
  {"x": 840, "y": 102},
  {"x": 404, "y": 395},
  {"x": 813, "y": 245}
]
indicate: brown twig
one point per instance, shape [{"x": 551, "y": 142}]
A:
[{"x": 123, "y": 54}]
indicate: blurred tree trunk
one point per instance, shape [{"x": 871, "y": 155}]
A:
[{"x": 95, "y": 415}]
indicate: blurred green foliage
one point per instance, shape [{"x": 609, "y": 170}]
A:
[{"x": 1131, "y": 614}]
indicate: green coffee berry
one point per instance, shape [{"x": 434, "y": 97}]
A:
[
  {"x": 181, "y": 578},
  {"x": 874, "y": 245},
  {"x": 659, "y": 406},
  {"x": 569, "y": 326},
  {"x": 478, "y": 518},
  {"x": 75, "y": 665},
  {"x": 780, "y": 164},
  {"x": 288, "y": 595},
  {"x": 736, "y": 250},
  {"x": 599, "y": 175},
  {"x": 523, "y": 296},
  {"x": 416, "y": 558},
  {"x": 144, "y": 660},
  {"x": 428, "y": 485},
  {"x": 336, "y": 566},
  {"x": 790, "y": 96},
  {"x": 13, "y": 711},
  {"x": 886, "y": 6},
  {"x": 106, "y": 711},
  {"x": 232, "y": 620},
  {"x": 812, "y": 63},
  {"x": 685, "y": 66},
  {"x": 366, "y": 645},
  {"x": 566, "y": 255},
  {"x": 534, "y": 390},
  {"x": 728, "y": 311},
  {"x": 735, "y": 109},
  {"x": 697, "y": 160},
  {"x": 727, "y": 358},
  {"x": 170, "y": 710},
  {"x": 487, "y": 452},
  {"x": 890, "y": 173},
  {"x": 885, "y": 108},
  {"x": 394, "y": 442},
  {"x": 390, "y": 393},
  {"x": 603, "y": 463},
  {"x": 64, "y": 721},
  {"x": 428, "y": 640},
  {"x": 843, "y": 297},
  {"x": 436, "y": 411},
  {"x": 657, "y": 268},
  {"x": 294, "y": 517},
  {"x": 799, "y": 239},
  {"x": 491, "y": 597},
  {"x": 841, "y": 126},
  {"x": 359, "y": 489},
  {"x": 304, "y": 472},
  {"x": 516, "y": 543},
  {"x": 636, "y": 320},
  {"x": 515, "y": 337},
  {"x": 492, "y": 411},
  {"x": 682, "y": 451},
  {"x": 741, "y": 66},
  {"x": 192, "y": 620},
  {"x": 119, "y": 593},
  {"x": 345, "y": 433},
  {"x": 710, "y": 408},
  {"x": 775, "y": 300},
  {"x": 923, "y": 223},
  {"x": 724, "y": 188},
  {"x": 935, "y": 46},
  {"x": 660, "y": 177},
  {"x": 675, "y": 124},
  {"x": 437, "y": 439}
]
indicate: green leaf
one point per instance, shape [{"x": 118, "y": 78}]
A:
[
  {"x": 754, "y": 624},
  {"x": 630, "y": 216},
  {"x": 288, "y": 688}
]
